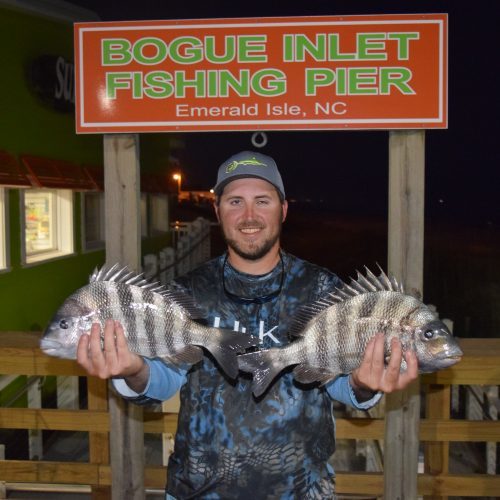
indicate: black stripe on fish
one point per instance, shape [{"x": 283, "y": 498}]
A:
[
  {"x": 405, "y": 320},
  {"x": 123, "y": 298},
  {"x": 151, "y": 324}
]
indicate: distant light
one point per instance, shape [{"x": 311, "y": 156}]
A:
[
  {"x": 441, "y": 200},
  {"x": 212, "y": 191}
]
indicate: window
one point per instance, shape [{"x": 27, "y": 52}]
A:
[
  {"x": 3, "y": 230},
  {"x": 93, "y": 236},
  {"x": 48, "y": 223},
  {"x": 159, "y": 214}
]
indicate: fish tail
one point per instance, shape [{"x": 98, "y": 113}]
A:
[
  {"x": 226, "y": 345},
  {"x": 264, "y": 366}
]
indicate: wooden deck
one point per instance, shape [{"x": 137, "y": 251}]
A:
[{"x": 19, "y": 354}]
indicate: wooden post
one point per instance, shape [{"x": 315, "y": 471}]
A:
[
  {"x": 97, "y": 395},
  {"x": 436, "y": 454},
  {"x": 405, "y": 261},
  {"x": 35, "y": 441},
  {"x": 123, "y": 238}
]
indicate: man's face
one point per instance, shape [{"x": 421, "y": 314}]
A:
[{"x": 250, "y": 213}]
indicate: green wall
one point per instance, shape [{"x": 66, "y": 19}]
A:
[
  {"x": 27, "y": 125},
  {"x": 29, "y": 295}
]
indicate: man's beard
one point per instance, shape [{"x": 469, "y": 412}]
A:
[{"x": 254, "y": 252}]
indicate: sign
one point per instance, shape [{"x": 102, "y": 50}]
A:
[
  {"x": 52, "y": 79},
  {"x": 349, "y": 72}
]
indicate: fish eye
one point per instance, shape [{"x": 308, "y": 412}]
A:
[
  {"x": 428, "y": 334},
  {"x": 64, "y": 324}
]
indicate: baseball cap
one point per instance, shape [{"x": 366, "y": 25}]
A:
[{"x": 249, "y": 164}]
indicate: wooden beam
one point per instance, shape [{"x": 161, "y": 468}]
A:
[
  {"x": 431, "y": 430},
  {"x": 357, "y": 483},
  {"x": 20, "y": 355},
  {"x": 405, "y": 261},
  {"x": 53, "y": 419},
  {"x": 96, "y": 421},
  {"x": 123, "y": 239},
  {"x": 20, "y": 471}
]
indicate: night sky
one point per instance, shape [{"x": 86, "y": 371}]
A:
[{"x": 348, "y": 169}]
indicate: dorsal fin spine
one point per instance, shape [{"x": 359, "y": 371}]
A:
[
  {"x": 125, "y": 276},
  {"x": 374, "y": 280},
  {"x": 366, "y": 284}
]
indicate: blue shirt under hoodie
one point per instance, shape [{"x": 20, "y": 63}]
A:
[{"x": 229, "y": 444}]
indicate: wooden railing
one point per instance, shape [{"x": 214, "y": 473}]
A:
[{"x": 19, "y": 354}]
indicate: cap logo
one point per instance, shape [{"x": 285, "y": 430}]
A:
[{"x": 235, "y": 164}]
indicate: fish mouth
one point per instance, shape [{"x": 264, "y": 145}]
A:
[
  {"x": 49, "y": 344},
  {"x": 438, "y": 364},
  {"x": 52, "y": 352},
  {"x": 51, "y": 347},
  {"x": 450, "y": 360},
  {"x": 454, "y": 360}
]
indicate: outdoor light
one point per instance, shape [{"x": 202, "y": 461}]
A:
[{"x": 178, "y": 178}]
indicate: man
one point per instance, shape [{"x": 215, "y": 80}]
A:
[{"x": 230, "y": 444}]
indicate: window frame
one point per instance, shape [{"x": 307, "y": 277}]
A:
[
  {"x": 97, "y": 244},
  {"x": 63, "y": 213},
  {"x": 4, "y": 230}
]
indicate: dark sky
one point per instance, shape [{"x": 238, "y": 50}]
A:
[{"x": 350, "y": 168}]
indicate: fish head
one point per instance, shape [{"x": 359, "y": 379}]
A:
[
  {"x": 61, "y": 337},
  {"x": 435, "y": 346}
]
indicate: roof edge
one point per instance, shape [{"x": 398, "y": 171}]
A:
[{"x": 53, "y": 9}]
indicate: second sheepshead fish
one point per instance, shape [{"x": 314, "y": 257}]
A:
[
  {"x": 332, "y": 334},
  {"x": 158, "y": 322}
]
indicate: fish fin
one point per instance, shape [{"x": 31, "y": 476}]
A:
[
  {"x": 123, "y": 275},
  {"x": 307, "y": 312},
  {"x": 363, "y": 284},
  {"x": 189, "y": 354},
  {"x": 309, "y": 374},
  {"x": 390, "y": 282},
  {"x": 264, "y": 366},
  {"x": 226, "y": 344},
  {"x": 372, "y": 283},
  {"x": 379, "y": 284},
  {"x": 186, "y": 301}
]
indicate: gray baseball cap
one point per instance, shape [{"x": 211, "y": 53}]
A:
[{"x": 249, "y": 164}]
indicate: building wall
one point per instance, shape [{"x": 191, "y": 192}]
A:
[{"x": 30, "y": 294}]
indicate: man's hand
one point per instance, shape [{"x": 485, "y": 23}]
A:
[
  {"x": 372, "y": 375},
  {"x": 115, "y": 360}
]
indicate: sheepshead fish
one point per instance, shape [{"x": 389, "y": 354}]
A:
[
  {"x": 158, "y": 322},
  {"x": 331, "y": 334}
]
